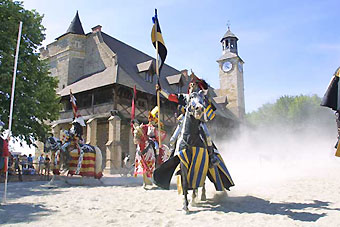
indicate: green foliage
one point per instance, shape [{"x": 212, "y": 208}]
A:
[
  {"x": 35, "y": 101},
  {"x": 292, "y": 111}
]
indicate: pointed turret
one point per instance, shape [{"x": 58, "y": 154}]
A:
[{"x": 75, "y": 27}]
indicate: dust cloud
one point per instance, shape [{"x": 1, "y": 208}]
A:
[{"x": 277, "y": 153}]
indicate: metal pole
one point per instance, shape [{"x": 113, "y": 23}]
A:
[{"x": 12, "y": 103}]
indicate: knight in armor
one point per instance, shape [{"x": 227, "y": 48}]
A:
[
  {"x": 331, "y": 100},
  {"x": 193, "y": 133},
  {"x": 74, "y": 136},
  {"x": 195, "y": 85}
]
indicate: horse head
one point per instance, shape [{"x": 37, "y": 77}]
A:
[
  {"x": 137, "y": 134},
  {"x": 52, "y": 144},
  {"x": 196, "y": 105}
]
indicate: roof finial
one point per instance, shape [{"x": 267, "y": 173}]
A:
[{"x": 228, "y": 24}]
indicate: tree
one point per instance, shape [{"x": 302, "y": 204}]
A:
[
  {"x": 292, "y": 111},
  {"x": 36, "y": 101}
]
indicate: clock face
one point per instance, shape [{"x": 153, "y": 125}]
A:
[
  {"x": 227, "y": 66},
  {"x": 240, "y": 68}
]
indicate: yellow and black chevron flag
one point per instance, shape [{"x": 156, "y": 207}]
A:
[{"x": 156, "y": 36}]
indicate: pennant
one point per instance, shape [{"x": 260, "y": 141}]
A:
[
  {"x": 74, "y": 104},
  {"x": 156, "y": 37},
  {"x": 133, "y": 103},
  {"x": 133, "y": 107}
]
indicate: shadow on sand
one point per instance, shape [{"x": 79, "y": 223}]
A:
[
  {"x": 21, "y": 189},
  {"x": 251, "y": 204},
  {"x": 13, "y": 213}
]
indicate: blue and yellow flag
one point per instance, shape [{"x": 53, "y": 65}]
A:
[{"x": 156, "y": 36}]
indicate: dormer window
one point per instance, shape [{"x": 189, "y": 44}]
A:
[
  {"x": 175, "y": 81},
  {"x": 148, "y": 76},
  {"x": 179, "y": 88},
  {"x": 146, "y": 69}
]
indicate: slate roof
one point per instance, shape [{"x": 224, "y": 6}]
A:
[
  {"x": 229, "y": 34},
  {"x": 221, "y": 99},
  {"x": 220, "y": 110},
  {"x": 75, "y": 27},
  {"x": 128, "y": 59},
  {"x": 100, "y": 79}
]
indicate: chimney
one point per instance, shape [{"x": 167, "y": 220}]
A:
[
  {"x": 97, "y": 28},
  {"x": 184, "y": 72}
]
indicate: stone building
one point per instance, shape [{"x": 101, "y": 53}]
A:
[
  {"x": 101, "y": 71},
  {"x": 231, "y": 75}
]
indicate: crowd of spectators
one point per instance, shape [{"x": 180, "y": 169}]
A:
[{"x": 23, "y": 165}]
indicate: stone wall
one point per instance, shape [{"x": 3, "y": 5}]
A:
[
  {"x": 232, "y": 85},
  {"x": 66, "y": 58}
]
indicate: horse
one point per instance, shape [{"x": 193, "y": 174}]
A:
[
  {"x": 193, "y": 156},
  {"x": 146, "y": 159},
  {"x": 84, "y": 160}
]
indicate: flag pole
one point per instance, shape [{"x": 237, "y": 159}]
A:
[
  {"x": 157, "y": 73},
  {"x": 11, "y": 107}
]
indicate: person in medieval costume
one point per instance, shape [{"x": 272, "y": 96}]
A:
[
  {"x": 4, "y": 153},
  {"x": 148, "y": 153},
  {"x": 217, "y": 168},
  {"x": 75, "y": 134},
  {"x": 195, "y": 85},
  {"x": 331, "y": 99}
]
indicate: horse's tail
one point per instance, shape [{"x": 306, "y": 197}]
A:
[{"x": 99, "y": 162}]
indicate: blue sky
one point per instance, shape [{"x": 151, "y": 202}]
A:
[{"x": 289, "y": 47}]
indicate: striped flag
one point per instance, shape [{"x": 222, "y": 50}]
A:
[
  {"x": 74, "y": 104},
  {"x": 156, "y": 37}
]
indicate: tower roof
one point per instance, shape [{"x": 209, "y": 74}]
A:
[
  {"x": 75, "y": 27},
  {"x": 229, "y": 34}
]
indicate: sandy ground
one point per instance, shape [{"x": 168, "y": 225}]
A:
[
  {"x": 295, "y": 183},
  {"x": 296, "y": 201}
]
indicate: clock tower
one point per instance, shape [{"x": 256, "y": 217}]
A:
[{"x": 231, "y": 75}]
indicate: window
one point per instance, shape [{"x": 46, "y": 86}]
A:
[
  {"x": 179, "y": 88},
  {"x": 124, "y": 93},
  {"x": 84, "y": 100},
  {"x": 232, "y": 44},
  {"x": 141, "y": 103},
  {"x": 103, "y": 95},
  {"x": 148, "y": 76}
]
